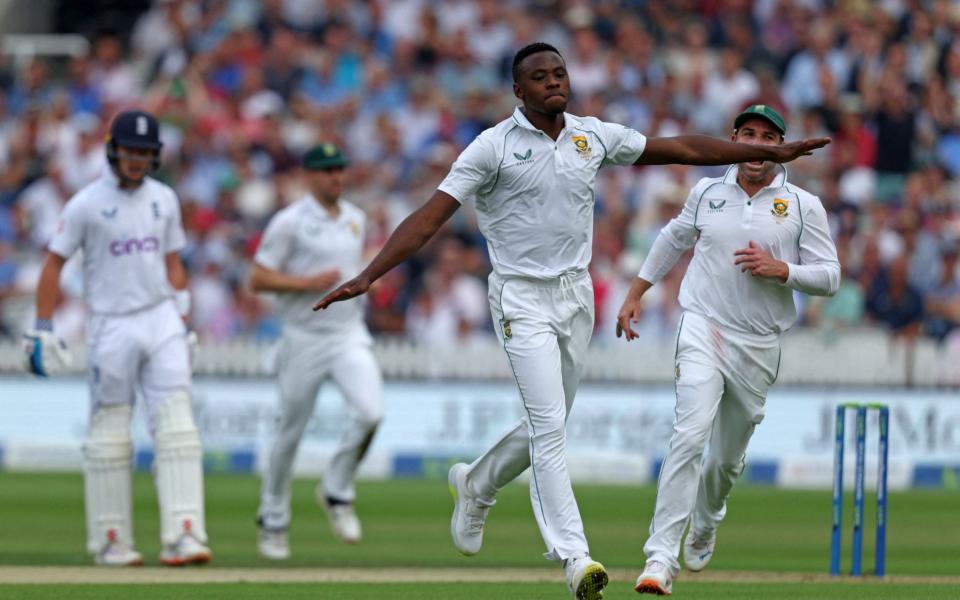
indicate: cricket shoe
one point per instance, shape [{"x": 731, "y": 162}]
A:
[
  {"x": 698, "y": 549},
  {"x": 273, "y": 544},
  {"x": 655, "y": 579},
  {"x": 469, "y": 512},
  {"x": 343, "y": 518},
  {"x": 118, "y": 554},
  {"x": 586, "y": 578},
  {"x": 185, "y": 551}
]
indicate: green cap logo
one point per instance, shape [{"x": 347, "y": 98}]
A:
[{"x": 324, "y": 156}]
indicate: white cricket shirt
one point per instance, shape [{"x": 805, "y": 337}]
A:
[
  {"x": 125, "y": 236},
  {"x": 534, "y": 196},
  {"x": 304, "y": 239},
  {"x": 719, "y": 218}
]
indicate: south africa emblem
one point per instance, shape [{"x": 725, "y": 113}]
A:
[
  {"x": 780, "y": 206},
  {"x": 582, "y": 146}
]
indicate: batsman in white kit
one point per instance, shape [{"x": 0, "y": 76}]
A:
[
  {"x": 756, "y": 239},
  {"x": 532, "y": 179},
  {"x": 306, "y": 249},
  {"x": 129, "y": 228}
]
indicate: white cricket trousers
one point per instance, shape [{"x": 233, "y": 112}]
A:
[
  {"x": 722, "y": 378},
  {"x": 304, "y": 362},
  {"x": 545, "y": 327},
  {"x": 143, "y": 353}
]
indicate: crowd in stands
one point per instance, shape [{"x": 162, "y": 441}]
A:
[{"x": 243, "y": 87}]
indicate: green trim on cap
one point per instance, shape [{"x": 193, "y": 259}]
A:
[{"x": 763, "y": 111}]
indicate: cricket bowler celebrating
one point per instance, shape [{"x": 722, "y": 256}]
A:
[
  {"x": 532, "y": 178},
  {"x": 757, "y": 238},
  {"x": 129, "y": 228},
  {"x": 306, "y": 249}
]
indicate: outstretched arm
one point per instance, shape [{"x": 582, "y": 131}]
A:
[
  {"x": 706, "y": 150},
  {"x": 409, "y": 237}
]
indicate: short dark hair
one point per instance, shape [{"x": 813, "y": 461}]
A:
[{"x": 527, "y": 51}]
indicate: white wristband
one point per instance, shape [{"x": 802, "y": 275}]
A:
[{"x": 182, "y": 300}]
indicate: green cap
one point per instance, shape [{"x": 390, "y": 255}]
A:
[
  {"x": 324, "y": 156},
  {"x": 763, "y": 111}
]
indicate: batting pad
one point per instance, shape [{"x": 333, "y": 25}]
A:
[
  {"x": 106, "y": 469},
  {"x": 179, "y": 470}
]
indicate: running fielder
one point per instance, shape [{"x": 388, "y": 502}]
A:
[
  {"x": 532, "y": 177},
  {"x": 757, "y": 238},
  {"x": 128, "y": 227},
  {"x": 305, "y": 250}
]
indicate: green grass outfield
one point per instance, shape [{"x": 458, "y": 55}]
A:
[{"x": 774, "y": 533}]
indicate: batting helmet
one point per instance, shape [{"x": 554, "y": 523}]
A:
[{"x": 134, "y": 129}]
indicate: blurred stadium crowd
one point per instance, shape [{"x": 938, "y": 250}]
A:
[{"x": 244, "y": 87}]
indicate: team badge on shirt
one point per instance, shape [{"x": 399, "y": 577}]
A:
[
  {"x": 780, "y": 206},
  {"x": 507, "y": 331},
  {"x": 583, "y": 148},
  {"x": 354, "y": 228}
]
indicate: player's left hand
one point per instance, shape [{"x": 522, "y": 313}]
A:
[
  {"x": 351, "y": 289},
  {"x": 794, "y": 150},
  {"x": 45, "y": 354},
  {"x": 759, "y": 263}
]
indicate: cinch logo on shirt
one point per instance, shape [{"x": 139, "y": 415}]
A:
[{"x": 134, "y": 246}]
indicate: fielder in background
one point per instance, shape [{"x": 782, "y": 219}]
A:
[
  {"x": 532, "y": 177},
  {"x": 758, "y": 238},
  {"x": 129, "y": 228},
  {"x": 306, "y": 249}
]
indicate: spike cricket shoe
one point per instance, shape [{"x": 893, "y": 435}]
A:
[
  {"x": 469, "y": 512},
  {"x": 586, "y": 578},
  {"x": 118, "y": 554},
  {"x": 273, "y": 544},
  {"x": 343, "y": 518},
  {"x": 185, "y": 551},
  {"x": 655, "y": 579},
  {"x": 698, "y": 549}
]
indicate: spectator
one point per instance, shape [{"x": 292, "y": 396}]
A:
[
  {"x": 943, "y": 302},
  {"x": 894, "y": 303},
  {"x": 8, "y": 280},
  {"x": 115, "y": 81},
  {"x": 451, "y": 308},
  {"x": 816, "y": 72}
]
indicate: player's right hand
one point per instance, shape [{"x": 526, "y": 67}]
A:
[
  {"x": 351, "y": 289},
  {"x": 45, "y": 354}
]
